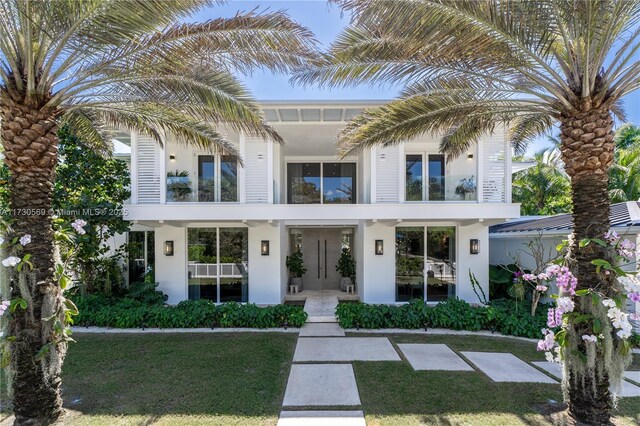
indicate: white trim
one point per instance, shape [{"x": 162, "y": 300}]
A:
[
  {"x": 134, "y": 168},
  {"x": 269, "y": 159},
  {"x": 373, "y": 181},
  {"x": 402, "y": 168},
  {"x": 507, "y": 169},
  {"x": 242, "y": 196},
  {"x": 479, "y": 172},
  {"x": 163, "y": 170}
]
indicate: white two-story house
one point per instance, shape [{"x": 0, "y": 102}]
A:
[{"x": 416, "y": 221}]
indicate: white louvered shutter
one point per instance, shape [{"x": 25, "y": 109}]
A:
[
  {"x": 256, "y": 163},
  {"x": 387, "y": 181},
  {"x": 148, "y": 170}
]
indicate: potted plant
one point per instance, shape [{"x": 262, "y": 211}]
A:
[
  {"x": 179, "y": 186},
  {"x": 347, "y": 268},
  {"x": 295, "y": 265},
  {"x": 466, "y": 187}
]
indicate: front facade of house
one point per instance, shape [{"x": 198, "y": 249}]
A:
[{"x": 218, "y": 229}]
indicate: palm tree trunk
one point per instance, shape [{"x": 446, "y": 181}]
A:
[
  {"x": 587, "y": 151},
  {"x": 30, "y": 143}
]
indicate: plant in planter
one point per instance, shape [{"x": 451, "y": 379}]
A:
[
  {"x": 466, "y": 187},
  {"x": 295, "y": 265},
  {"x": 179, "y": 186},
  {"x": 347, "y": 268}
]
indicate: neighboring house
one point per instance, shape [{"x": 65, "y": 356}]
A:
[
  {"x": 219, "y": 230},
  {"x": 508, "y": 240}
]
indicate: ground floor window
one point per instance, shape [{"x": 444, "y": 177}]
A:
[
  {"x": 425, "y": 263},
  {"x": 218, "y": 264},
  {"x": 141, "y": 253}
]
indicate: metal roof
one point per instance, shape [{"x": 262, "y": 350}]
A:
[{"x": 623, "y": 215}]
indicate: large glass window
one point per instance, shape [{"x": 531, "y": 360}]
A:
[
  {"x": 303, "y": 185},
  {"x": 441, "y": 263},
  {"x": 218, "y": 264},
  {"x": 436, "y": 177},
  {"x": 425, "y": 255},
  {"x": 409, "y": 263},
  {"x": 229, "y": 178},
  {"x": 414, "y": 177},
  {"x": 315, "y": 183},
  {"x": 202, "y": 263},
  {"x": 141, "y": 254},
  {"x": 206, "y": 178},
  {"x": 338, "y": 183},
  {"x": 234, "y": 262}
]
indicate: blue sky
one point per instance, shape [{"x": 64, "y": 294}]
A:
[{"x": 326, "y": 22}]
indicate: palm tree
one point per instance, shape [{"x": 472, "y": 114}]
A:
[
  {"x": 97, "y": 64},
  {"x": 624, "y": 175},
  {"x": 544, "y": 188},
  {"x": 468, "y": 66}
]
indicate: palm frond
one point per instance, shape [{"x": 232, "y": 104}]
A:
[{"x": 526, "y": 127}]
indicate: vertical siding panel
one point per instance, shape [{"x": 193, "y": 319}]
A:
[
  {"x": 387, "y": 174},
  {"x": 256, "y": 163},
  {"x": 495, "y": 168},
  {"x": 148, "y": 170}
]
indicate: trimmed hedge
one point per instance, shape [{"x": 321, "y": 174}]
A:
[
  {"x": 101, "y": 311},
  {"x": 502, "y": 316}
]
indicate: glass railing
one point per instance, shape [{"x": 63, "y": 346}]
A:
[
  {"x": 180, "y": 189},
  {"x": 445, "y": 188}
]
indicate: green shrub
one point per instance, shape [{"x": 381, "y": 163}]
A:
[
  {"x": 100, "y": 311},
  {"x": 501, "y": 316}
]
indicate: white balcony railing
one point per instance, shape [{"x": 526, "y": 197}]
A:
[{"x": 210, "y": 270}]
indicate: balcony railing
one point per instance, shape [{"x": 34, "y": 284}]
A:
[
  {"x": 210, "y": 270},
  {"x": 443, "y": 188}
]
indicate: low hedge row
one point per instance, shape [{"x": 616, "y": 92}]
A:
[
  {"x": 503, "y": 316},
  {"x": 101, "y": 311}
]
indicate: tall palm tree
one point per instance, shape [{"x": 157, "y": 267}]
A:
[
  {"x": 97, "y": 64},
  {"x": 467, "y": 66},
  {"x": 544, "y": 188}
]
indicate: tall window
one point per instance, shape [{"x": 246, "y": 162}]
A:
[
  {"x": 327, "y": 183},
  {"x": 414, "y": 189},
  {"x": 425, "y": 263},
  {"x": 214, "y": 180},
  {"x": 218, "y": 264},
  {"x": 141, "y": 253},
  {"x": 436, "y": 177},
  {"x": 416, "y": 172}
]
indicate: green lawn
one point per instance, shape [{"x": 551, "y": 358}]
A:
[
  {"x": 189, "y": 379},
  {"x": 239, "y": 379},
  {"x": 393, "y": 393}
]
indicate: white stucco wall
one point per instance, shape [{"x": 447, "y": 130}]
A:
[
  {"x": 171, "y": 271},
  {"x": 378, "y": 274},
  {"x": 478, "y": 264},
  {"x": 265, "y": 271}
]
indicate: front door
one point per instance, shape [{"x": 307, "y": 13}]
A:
[{"x": 321, "y": 250}]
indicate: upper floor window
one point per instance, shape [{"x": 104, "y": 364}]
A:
[
  {"x": 416, "y": 172},
  {"x": 215, "y": 180},
  {"x": 321, "y": 183}
]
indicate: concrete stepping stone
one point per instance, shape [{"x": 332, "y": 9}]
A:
[
  {"x": 632, "y": 375},
  {"x": 506, "y": 367},
  {"x": 345, "y": 349},
  {"x": 320, "y": 329},
  {"x": 555, "y": 369},
  {"x": 314, "y": 385},
  {"x": 433, "y": 357},
  {"x": 321, "y": 418}
]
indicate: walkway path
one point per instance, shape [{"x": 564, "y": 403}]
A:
[{"x": 322, "y": 388}]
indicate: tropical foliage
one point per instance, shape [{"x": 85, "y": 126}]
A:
[
  {"x": 471, "y": 67},
  {"x": 543, "y": 189},
  {"x": 96, "y": 65},
  {"x": 624, "y": 176}
]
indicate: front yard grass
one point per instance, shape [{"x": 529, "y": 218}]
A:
[
  {"x": 170, "y": 379},
  {"x": 393, "y": 394}
]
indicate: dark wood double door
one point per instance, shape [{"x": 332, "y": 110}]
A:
[{"x": 321, "y": 249}]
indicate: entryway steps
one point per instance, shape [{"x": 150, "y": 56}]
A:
[
  {"x": 321, "y": 306},
  {"x": 344, "y": 349},
  {"x": 321, "y": 418},
  {"x": 318, "y": 329}
]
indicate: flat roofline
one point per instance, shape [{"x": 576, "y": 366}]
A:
[{"x": 323, "y": 102}]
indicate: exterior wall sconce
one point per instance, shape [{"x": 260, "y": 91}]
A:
[
  {"x": 470, "y": 156},
  {"x": 383, "y": 157},
  {"x": 168, "y": 248},
  {"x": 474, "y": 246},
  {"x": 172, "y": 157},
  {"x": 379, "y": 247},
  {"x": 264, "y": 247},
  {"x": 260, "y": 157}
]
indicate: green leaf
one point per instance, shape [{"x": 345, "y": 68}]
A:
[
  {"x": 597, "y": 326},
  {"x": 584, "y": 242},
  {"x": 582, "y": 292}
]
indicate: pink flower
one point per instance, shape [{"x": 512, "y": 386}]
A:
[
  {"x": 529, "y": 277},
  {"x": 634, "y": 296},
  {"x": 589, "y": 338},
  {"x": 25, "y": 239},
  {"x": 542, "y": 288},
  {"x": 554, "y": 317},
  {"x": 548, "y": 342}
]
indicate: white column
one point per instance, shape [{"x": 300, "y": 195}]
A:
[
  {"x": 163, "y": 169},
  {"x": 507, "y": 170},
  {"x": 134, "y": 168},
  {"x": 480, "y": 172},
  {"x": 374, "y": 158},
  {"x": 241, "y": 170}
]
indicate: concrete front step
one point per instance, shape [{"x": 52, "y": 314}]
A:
[
  {"x": 321, "y": 318},
  {"x": 321, "y": 418},
  {"x": 321, "y": 329}
]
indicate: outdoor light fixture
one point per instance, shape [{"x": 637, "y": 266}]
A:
[
  {"x": 260, "y": 157},
  {"x": 474, "y": 246},
  {"x": 172, "y": 157},
  {"x": 383, "y": 157},
  {"x": 379, "y": 247},
  {"x": 470, "y": 156},
  {"x": 168, "y": 248},
  {"x": 264, "y": 248}
]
